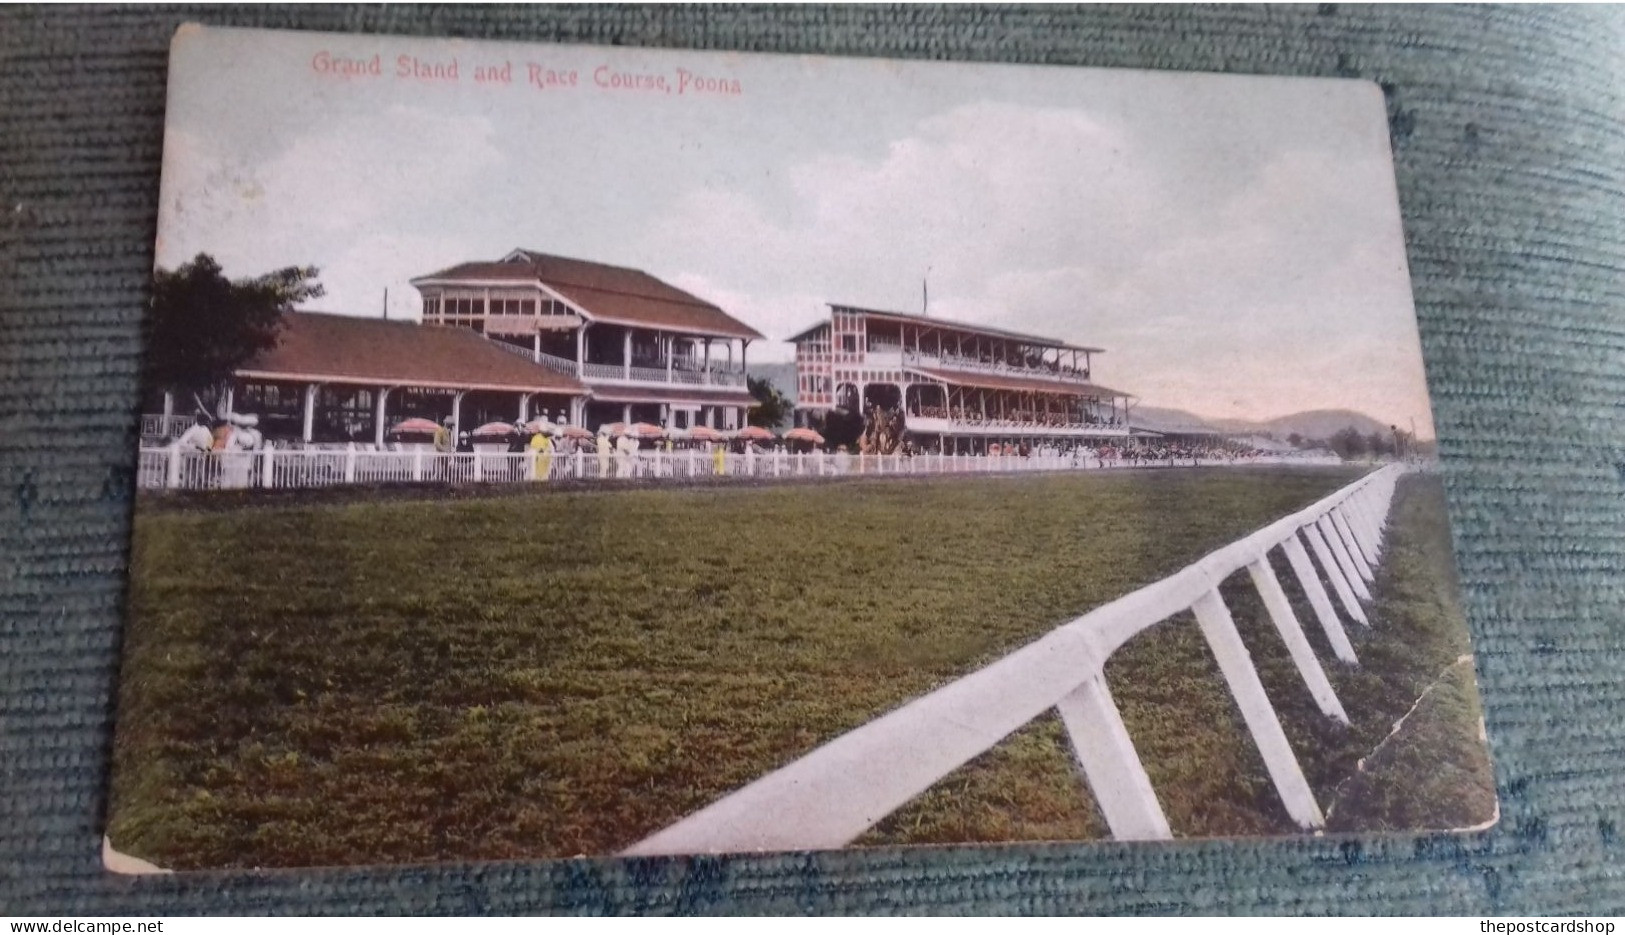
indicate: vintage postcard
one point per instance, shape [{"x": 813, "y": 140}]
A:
[{"x": 559, "y": 450}]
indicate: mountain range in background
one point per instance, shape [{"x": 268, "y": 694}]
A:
[{"x": 1315, "y": 423}]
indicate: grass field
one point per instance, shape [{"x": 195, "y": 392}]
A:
[{"x": 551, "y": 674}]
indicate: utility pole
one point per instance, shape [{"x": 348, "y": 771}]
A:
[
  {"x": 386, "y": 303},
  {"x": 925, "y": 294}
]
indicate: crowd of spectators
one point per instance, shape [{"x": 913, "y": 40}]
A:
[
  {"x": 1018, "y": 417},
  {"x": 1030, "y": 365}
]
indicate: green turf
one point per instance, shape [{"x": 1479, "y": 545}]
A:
[{"x": 556, "y": 673}]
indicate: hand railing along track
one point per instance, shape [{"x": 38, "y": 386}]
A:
[{"x": 832, "y": 795}]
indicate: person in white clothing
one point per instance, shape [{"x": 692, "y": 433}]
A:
[{"x": 626, "y": 452}]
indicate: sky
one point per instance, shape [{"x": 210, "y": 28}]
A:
[{"x": 1233, "y": 242}]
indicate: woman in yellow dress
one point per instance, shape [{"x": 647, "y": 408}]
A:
[
  {"x": 718, "y": 461},
  {"x": 542, "y": 450}
]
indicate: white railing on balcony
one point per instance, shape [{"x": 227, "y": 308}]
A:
[
  {"x": 162, "y": 426},
  {"x": 695, "y": 377},
  {"x": 514, "y": 349},
  {"x": 175, "y": 468},
  {"x": 557, "y": 364},
  {"x": 832, "y": 795}
]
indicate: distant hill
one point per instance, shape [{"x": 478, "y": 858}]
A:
[{"x": 1316, "y": 423}]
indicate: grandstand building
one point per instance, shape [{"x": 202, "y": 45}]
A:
[
  {"x": 958, "y": 386},
  {"x": 641, "y": 349}
]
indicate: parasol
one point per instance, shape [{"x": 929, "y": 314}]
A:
[
  {"x": 804, "y": 435},
  {"x": 414, "y": 427},
  {"x": 493, "y": 429},
  {"x": 704, "y": 433}
]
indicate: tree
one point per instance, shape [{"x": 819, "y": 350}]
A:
[
  {"x": 204, "y": 326},
  {"x": 1348, "y": 443},
  {"x": 1295, "y": 440},
  {"x": 772, "y": 409}
]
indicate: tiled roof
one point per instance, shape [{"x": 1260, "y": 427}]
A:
[
  {"x": 675, "y": 394},
  {"x": 615, "y": 294},
  {"x": 999, "y": 381},
  {"x": 342, "y": 349},
  {"x": 947, "y": 324}
]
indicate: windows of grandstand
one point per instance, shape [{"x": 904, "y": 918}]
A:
[
  {"x": 849, "y": 343},
  {"x": 462, "y": 306},
  {"x": 512, "y": 306},
  {"x": 431, "y": 306}
]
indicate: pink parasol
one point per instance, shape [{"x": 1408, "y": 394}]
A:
[
  {"x": 705, "y": 433},
  {"x": 754, "y": 433},
  {"x": 645, "y": 430},
  {"x": 414, "y": 427},
  {"x": 494, "y": 428},
  {"x": 804, "y": 435}
]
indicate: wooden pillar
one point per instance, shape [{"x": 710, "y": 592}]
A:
[
  {"x": 310, "y": 412},
  {"x": 626, "y": 351},
  {"x": 456, "y": 415},
  {"x": 581, "y": 349},
  {"x": 380, "y": 416}
]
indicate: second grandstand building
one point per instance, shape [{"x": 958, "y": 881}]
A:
[{"x": 958, "y": 387}]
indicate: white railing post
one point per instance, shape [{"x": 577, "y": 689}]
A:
[
  {"x": 1355, "y": 519},
  {"x": 1111, "y": 767},
  {"x": 1367, "y": 508},
  {"x": 1352, "y": 545},
  {"x": 1319, "y": 600},
  {"x": 417, "y": 463},
  {"x": 267, "y": 470},
  {"x": 172, "y": 469},
  {"x": 1237, "y": 667},
  {"x": 1297, "y": 645},
  {"x": 349, "y": 463},
  {"x": 1334, "y": 573},
  {"x": 479, "y": 467},
  {"x": 1334, "y": 539}
]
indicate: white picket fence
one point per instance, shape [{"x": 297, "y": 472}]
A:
[
  {"x": 176, "y": 468},
  {"x": 832, "y": 795}
]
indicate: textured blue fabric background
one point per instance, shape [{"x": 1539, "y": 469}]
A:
[{"x": 1509, "y": 132}]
